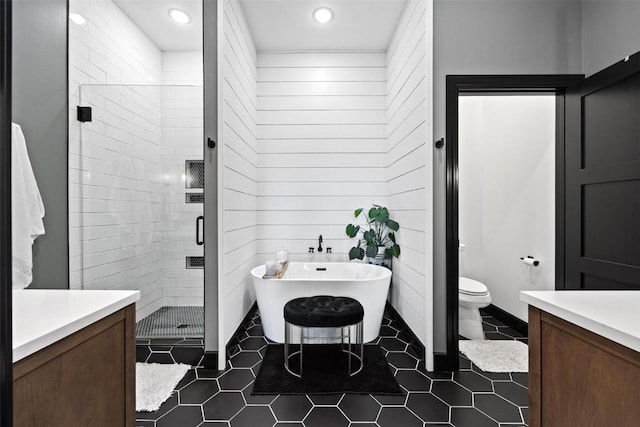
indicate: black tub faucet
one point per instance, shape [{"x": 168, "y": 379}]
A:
[{"x": 320, "y": 243}]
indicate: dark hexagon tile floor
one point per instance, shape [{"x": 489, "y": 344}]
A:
[{"x": 468, "y": 398}]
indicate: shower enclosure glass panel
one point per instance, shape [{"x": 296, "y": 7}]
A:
[{"x": 135, "y": 205}]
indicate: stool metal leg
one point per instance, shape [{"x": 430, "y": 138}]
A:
[{"x": 349, "y": 352}]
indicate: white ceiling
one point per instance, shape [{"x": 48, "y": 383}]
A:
[
  {"x": 280, "y": 25},
  {"x": 152, "y": 17},
  {"x": 288, "y": 25}
]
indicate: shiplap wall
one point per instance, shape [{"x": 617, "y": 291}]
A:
[
  {"x": 239, "y": 161},
  {"x": 409, "y": 165},
  {"x": 322, "y": 148}
]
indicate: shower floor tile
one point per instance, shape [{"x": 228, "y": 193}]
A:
[
  {"x": 183, "y": 321},
  {"x": 470, "y": 397}
]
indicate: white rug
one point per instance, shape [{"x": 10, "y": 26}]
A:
[
  {"x": 155, "y": 383},
  {"x": 497, "y": 355}
]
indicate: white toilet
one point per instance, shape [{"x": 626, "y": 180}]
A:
[{"x": 472, "y": 296}]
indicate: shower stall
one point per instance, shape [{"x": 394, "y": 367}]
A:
[{"x": 137, "y": 191}]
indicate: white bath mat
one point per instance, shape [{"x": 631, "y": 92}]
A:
[
  {"x": 497, "y": 355},
  {"x": 155, "y": 383}
]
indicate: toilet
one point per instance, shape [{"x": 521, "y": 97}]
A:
[{"x": 472, "y": 296}]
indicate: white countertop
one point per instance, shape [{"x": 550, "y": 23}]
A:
[
  {"x": 612, "y": 314},
  {"x": 42, "y": 317}
]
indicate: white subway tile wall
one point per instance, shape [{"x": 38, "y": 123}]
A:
[
  {"x": 182, "y": 137},
  {"x": 238, "y": 163},
  {"x": 126, "y": 229}
]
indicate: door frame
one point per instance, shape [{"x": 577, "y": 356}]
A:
[
  {"x": 6, "y": 345},
  {"x": 456, "y": 85}
]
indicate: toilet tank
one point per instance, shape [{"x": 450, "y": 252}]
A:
[{"x": 461, "y": 247}]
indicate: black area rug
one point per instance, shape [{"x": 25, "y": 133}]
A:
[{"x": 325, "y": 371}]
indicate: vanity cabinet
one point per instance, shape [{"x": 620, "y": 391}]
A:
[
  {"x": 84, "y": 379},
  {"x": 578, "y": 377}
]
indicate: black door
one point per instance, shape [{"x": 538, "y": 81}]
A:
[{"x": 603, "y": 179}]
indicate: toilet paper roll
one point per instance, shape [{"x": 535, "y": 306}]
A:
[{"x": 532, "y": 262}]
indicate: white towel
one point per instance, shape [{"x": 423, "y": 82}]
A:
[{"x": 27, "y": 209}]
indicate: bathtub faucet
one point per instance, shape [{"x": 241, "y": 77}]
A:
[{"x": 320, "y": 243}]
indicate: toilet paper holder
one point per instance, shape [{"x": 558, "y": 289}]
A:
[{"x": 530, "y": 261}]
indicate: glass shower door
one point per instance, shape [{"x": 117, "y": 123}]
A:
[{"x": 137, "y": 183}]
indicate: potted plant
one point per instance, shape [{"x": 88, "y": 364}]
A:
[{"x": 378, "y": 240}]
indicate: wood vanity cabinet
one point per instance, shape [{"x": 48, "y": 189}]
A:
[
  {"x": 579, "y": 378},
  {"x": 86, "y": 379}
]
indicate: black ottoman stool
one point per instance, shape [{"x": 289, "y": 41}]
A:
[{"x": 324, "y": 311}]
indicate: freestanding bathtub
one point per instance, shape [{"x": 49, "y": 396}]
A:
[{"x": 367, "y": 283}]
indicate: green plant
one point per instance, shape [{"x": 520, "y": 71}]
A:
[{"x": 379, "y": 231}]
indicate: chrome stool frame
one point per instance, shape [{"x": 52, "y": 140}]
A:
[{"x": 306, "y": 338}]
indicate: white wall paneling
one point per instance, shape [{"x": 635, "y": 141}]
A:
[
  {"x": 322, "y": 147},
  {"x": 409, "y": 189},
  {"x": 238, "y": 160}
]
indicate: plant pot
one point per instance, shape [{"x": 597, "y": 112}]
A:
[{"x": 379, "y": 258}]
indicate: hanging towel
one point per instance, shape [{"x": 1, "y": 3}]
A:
[{"x": 27, "y": 209}]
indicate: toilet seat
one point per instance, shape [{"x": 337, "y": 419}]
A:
[{"x": 472, "y": 287}]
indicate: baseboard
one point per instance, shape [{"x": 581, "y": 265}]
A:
[
  {"x": 234, "y": 338},
  {"x": 416, "y": 343},
  {"x": 210, "y": 360},
  {"x": 508, "y": 319},
  {"x": 441, "y": 362}
]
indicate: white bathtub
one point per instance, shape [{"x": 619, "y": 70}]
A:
[{"x": 367, "y": 283}]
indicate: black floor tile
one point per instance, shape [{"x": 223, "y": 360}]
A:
[
  {"x": 181, "y": 416},
  {"x": 428, "y": 407},
  {"x": 402, "y": 360},
  {"x": 190, "y": 355},
  {"x": 451, "y": 393},
  {"x": 198, "y": 392},
  {"x": 236, "y": 379},
  {"x": 245, "y": 359},
  {"x": 257, "y": 399},
  {"x": 497, "y": 408},
  {"x": 473, "y": 381},
  {"x": 253, "y": 343},
  {"x": 392, "y": 344},
  {"x": 395, "y": 417},
  {"x": 428, "y": 401},
  {"x": 291, "y": 407},
  {"x": 325, "y": 417},
  {"x": 223, "y": 406},
  {"x": 521, "y": 378},
  {"x": 360, "y": 407},
  {"x": 160, "y": 358},
  {"x": 187, "y": 379},
  {"x": 142, "y": 352},
  {"x": 413, "y": 380},
  {"x": 325, "y": 399},
  {"x": 390, "y": 400},
  {"x": 168, "y": 405},
  {"x": 513, "y": 393},
  {"x": 470, "y": 417},
  {"x": 253, "y": 416}
]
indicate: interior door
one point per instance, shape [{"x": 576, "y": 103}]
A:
[{"x": 603, "y": 179}]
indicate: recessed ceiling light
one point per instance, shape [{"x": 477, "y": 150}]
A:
[
  {"x": 180, "y": 16},
  {"x": 323, "y": 15},
  {"x": 77, "y": 18}
]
